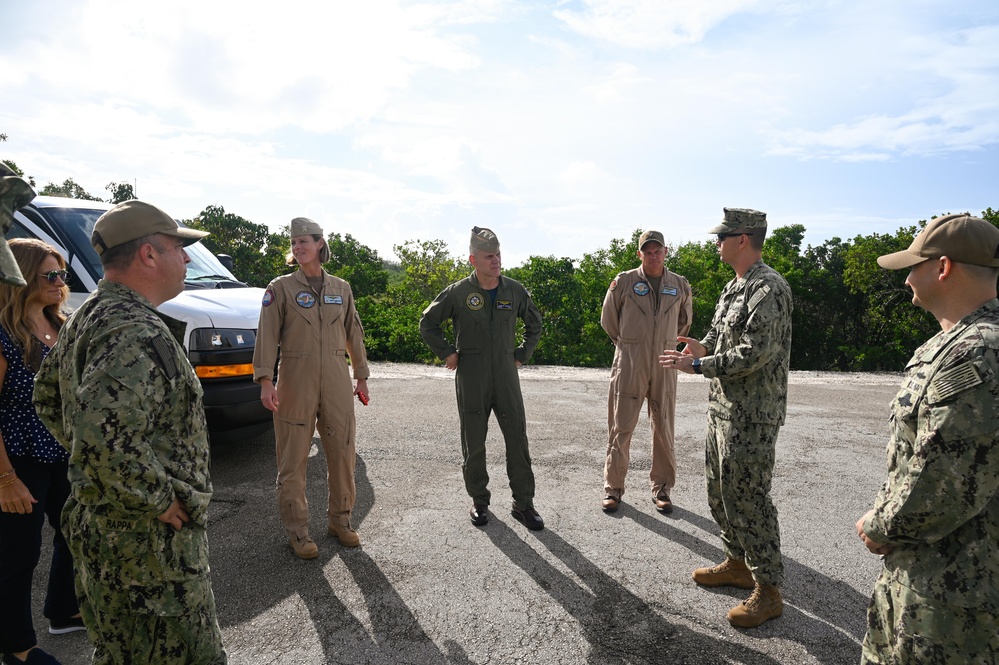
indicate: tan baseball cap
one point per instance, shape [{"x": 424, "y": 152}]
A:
[
  {"x": 133, "y": 219},
  {"x": 14, "y": 193},
  {"x": 483, "y": 240},
  {"x": 651, "y": 236},
  {"x": 741, "y": 219},
  {"x": 960, "y": 237}
]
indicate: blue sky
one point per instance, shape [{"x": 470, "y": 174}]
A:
[{"x": 560, "y": 125}]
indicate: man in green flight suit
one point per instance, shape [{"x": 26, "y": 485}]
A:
[
  {"x": 119, "y": 393},
  {"x": 484, "y": 309}
]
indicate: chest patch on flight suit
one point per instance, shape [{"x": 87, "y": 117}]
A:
[
  {"x": 268, "y": 298},
  {"x": 504, "y": 304},
  {"x": 474, "y": 301},
  {"x": 305, "y": 299},
  {"x": 641, "y": 289},
  {"x": 332, "y": 300},
  {"x": 669, "y": 291},
  {"x": 759, "y": 296},
  {"x": 953, "y": 381}
]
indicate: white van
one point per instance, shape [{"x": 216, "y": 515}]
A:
[{"x": 220, "y": 311}]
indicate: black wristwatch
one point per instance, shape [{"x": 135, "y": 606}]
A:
[{"x": 697, "y": 366}]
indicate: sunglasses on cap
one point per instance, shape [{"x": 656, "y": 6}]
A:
[{"x": 53, "y": 275}]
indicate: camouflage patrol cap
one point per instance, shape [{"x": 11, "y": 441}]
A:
[
  {"x": 741, "y": 219},
  {"x": 651, "y": 236},
  {"x": 133, "y": 219},
  {"x": 483, "y": 240},
  {"x": 960, "y": 237},
  {"x": 303, "y": 226},
  {"x": 14, "y": 193}
]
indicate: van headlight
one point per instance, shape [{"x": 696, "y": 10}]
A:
[{"x": 221, "y": 353}]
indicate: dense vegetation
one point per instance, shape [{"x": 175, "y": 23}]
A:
[{"x": 849, "y": 314}]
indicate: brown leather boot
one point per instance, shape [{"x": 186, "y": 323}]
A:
[
  {"x": 763, "y": 605},
  {"x": 346, "y": 535},
  {"x": 304, "y": 547},
  {"x": 730, "y": 572}
]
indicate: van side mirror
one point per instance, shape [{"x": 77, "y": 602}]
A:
[{"x": 226, "y": 261}]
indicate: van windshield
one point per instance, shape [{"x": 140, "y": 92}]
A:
[{"x": 78, "y": 224}]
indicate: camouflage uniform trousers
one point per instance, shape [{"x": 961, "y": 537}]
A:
[
  {"x": 739, "y": 465},
  {"x": 905, "y": 627},
  {"x": 143, "y": 596}
]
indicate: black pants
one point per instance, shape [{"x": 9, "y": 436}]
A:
[{"x": 20, "y": 549}]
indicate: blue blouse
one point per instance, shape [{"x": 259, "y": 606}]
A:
[{"x": 24, "y": 435}]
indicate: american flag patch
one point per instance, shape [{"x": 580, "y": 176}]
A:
[{"x": 953, "y": 381}]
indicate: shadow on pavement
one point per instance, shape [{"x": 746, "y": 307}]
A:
[
  {"x": 827, "y": 606},
  {"x": 619, "y": 627}
]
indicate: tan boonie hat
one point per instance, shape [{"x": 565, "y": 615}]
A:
[
  {"x": 133, "y": 219},
  {"x": 14, "y": 193},
  {"x": 483, "y": 240},
  {"x": 303, "y": 226},
  {"x": 651, "y": 236},
  {"x": 961, "y": 238},
  {"x": 741, "y": 219}
]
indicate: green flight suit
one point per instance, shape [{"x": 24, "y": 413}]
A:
[{"x": 486, "y": 378}]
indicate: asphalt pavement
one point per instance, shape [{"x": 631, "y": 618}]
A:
[{"x": 427, "y": 587}]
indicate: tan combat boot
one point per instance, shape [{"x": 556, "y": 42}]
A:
[
  {"x": 347, "y": 536},
  {"x": 730, "y": 572},
  {"x": 763, "y": 605},
  {"x": 304, "y": 547}
]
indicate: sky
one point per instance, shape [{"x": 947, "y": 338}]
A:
[{"x": 560, "y": 125}]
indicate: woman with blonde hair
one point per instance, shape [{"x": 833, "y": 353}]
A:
[{"x": 33, "y": 465}]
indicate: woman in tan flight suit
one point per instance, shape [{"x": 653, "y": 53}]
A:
[{"x": 310, "y": 316}]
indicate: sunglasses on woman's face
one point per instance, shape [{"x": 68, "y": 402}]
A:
[{"x": 53, "y": 275}]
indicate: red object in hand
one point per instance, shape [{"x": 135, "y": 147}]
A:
[{"x": 362, "y": 398}]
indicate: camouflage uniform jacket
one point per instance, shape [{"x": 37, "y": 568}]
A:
[
  {"x": 119, "y": 393},
  {"x": 749, "y": 348},
  {"x": 939, "y": 507}
]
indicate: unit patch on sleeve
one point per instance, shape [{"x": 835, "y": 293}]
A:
[
  {"x": 759, "y": 296},
  {"x": 305, "y": 299},
  {"x": 613, "y": 285},
  {"x": 332, "y": 300},
  {"x": 268, "y": 298},
  {"x": 474, "y": 301},
  {"x": 953, "y": 381}
]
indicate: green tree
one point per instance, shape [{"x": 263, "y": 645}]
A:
[
  {"x": 358, "y": 264},
  {"x": 68, "y": 189},
  {"x": 257, "y": 255},
  {"x": 558, "y": 295},
  {"x": 120, "y": 191}
]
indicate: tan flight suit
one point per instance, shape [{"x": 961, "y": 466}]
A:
[
  {"x": 313, "y": 331},
  {"x": 641, "y": 331}
]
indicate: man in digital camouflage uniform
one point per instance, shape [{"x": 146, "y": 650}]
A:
[
  {"x": 119, "y": 393},
  {"x": 484, "y": 309},
  {"x": 644, "y": 311},
  {"x": 746, "y": 354},
  {"x": 936, "y": 518}
]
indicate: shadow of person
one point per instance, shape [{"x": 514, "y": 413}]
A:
[
  {"x": 619, "y": 627},
  {"x": 254, "y": 570},
  {"x": 833, "y": 613}
]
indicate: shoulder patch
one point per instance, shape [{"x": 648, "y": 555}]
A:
[
  {"x": 613, "y": 285},
  {"x": 268, "y": 298},
  {"x": 758, "y": 297},
  {"x": 955, "y": 380},
  {"x": 165, "y": 354}
]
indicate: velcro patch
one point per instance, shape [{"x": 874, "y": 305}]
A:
[
  {"x": 759, "y": 296},
  {"x": 953, "y": 381},
  {"x": 504, "y": 304}
]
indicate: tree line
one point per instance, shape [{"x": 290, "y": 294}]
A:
[{"x": 849, "y": 313}]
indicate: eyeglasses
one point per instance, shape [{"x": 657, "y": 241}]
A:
[
  {"x": 53, "y": 275},
  {"x": 722, "y": 236}
]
